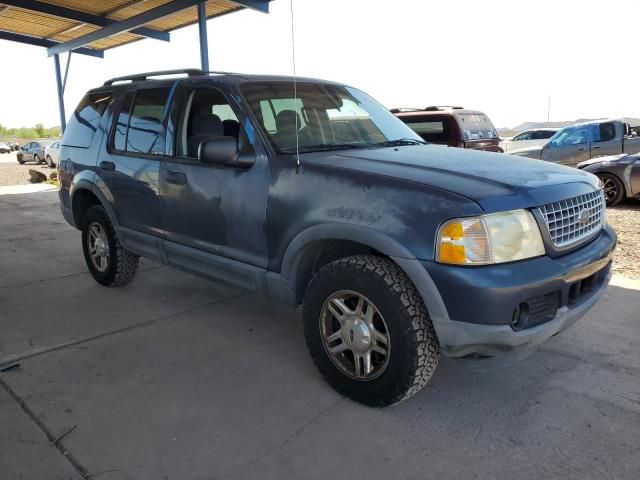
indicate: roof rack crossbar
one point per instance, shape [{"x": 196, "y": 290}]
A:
[{"x": 138, "y": 77}]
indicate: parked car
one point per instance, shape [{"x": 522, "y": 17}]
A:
[
  {"x": 4, "y": 148},
  {"x": 619, "y": 174},
  {"x": 32, "y": 152},
  {"x": 528, "y": 138},
  {"x": 452, "y": 126},
  {"x": 13, "y": 145},
  {"x": 51, "y": 154},
  {"x": 578, "y": 143},
  {"x": 397, "y": 250}
]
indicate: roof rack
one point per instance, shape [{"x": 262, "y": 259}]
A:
[
  {"x": 139, "y": 77},
  {"x": 432, "y": 108},
  {"x": 435, "y": 108}
]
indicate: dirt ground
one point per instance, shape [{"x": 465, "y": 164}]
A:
[
  {"x": 625, "y": 219},
  {"x": 12, "y": 173}
]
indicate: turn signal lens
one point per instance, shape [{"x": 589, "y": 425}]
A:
[{"x": 496, "y": 238}]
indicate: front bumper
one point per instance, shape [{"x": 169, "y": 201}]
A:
[{"x": 498, "y": 309}]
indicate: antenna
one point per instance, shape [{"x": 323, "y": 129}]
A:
[{"x": 295, "y": 87}]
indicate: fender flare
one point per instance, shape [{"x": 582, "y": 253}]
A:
[
  {"x": 88, "y": 180},
  {"x": 379, "y": 241}
]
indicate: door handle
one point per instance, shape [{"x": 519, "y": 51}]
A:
[
  {"x": 596, "y": 148},
  {"x": 176, "y": 178},
  {"x": 581, "y": 149},
  {"x": 107, "y": 166}
]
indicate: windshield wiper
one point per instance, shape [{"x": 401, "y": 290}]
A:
[
  {"x": 399, "y": 142},
  {"x": 323, "y": 147}
]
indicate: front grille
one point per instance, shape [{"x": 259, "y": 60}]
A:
[{"x": 575, "y": 219}]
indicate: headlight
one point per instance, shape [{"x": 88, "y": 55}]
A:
[{"x": 495, "y": 238}]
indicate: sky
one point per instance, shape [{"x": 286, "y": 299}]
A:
[{"x": 503, "y": 57}]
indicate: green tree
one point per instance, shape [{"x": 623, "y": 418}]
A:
[{"x": 39, "y": 129}]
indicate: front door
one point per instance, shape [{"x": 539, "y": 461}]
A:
[
  {"x": 212, "y": 211},
  {"x": 570, "y": 147},
  {"x": 130, "y": 165}
]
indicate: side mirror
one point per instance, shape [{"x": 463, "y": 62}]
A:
[{"x": 223, "y": 151}]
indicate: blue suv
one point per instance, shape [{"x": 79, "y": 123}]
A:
[{"x": 313, "y": 194}]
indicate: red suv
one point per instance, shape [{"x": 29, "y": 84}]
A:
[{"x": 453, "y": 126}]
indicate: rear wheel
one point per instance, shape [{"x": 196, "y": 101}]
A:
[
  {"x": 36, "y": 159},
  {"x": 109, "y": 263},
  {"x": 613, "y": 188},
  {"x": 49, "y": 161},
  {"x": 368, "y": 330}
]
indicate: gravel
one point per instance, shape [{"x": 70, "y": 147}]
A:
[
  {"x": 12, "y": 173},
  {"x": 625, "y": 220}
]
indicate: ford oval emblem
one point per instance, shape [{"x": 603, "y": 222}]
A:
[{"x": 584, "y": 216}]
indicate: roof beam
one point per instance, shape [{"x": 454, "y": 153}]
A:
[
  {"x": 259, "y": 5},
  {"x": 41, "y": 42},
  {"x": 123, "y": 25},
  {"x": 82, "y": 17}
]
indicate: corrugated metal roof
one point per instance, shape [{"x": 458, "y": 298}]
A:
[{"x": 56, "y": 28}]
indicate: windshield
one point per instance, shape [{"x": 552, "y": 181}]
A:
[{"x": 325, "y": 117}]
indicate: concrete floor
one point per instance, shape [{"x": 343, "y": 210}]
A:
[{"x": 173, "y": 377}]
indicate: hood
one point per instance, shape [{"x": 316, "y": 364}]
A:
[
  {"x": 495, "y": 181},
  {"x": 530, "y": 152}
]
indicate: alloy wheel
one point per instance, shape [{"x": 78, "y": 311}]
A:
[{"x": 355, "y": 335}]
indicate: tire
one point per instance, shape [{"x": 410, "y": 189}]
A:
[
  {"x": 412, "y": 349},
  {"x": 20, "y": 160},
  {"x": 120, "y": 266},
  {"x": 49, "y": 161},
  {"x": 36, "y": 159},
  {"x": 613, "y": 188}
]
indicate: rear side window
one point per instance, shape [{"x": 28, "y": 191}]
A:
[
  {"x": 543, "y": 135},
  {"x": 430, "y": 128},
  {"x": 138, "y": 126},
  {"x": 604, "y": 132},
  {"x": 84, "y": 122}
]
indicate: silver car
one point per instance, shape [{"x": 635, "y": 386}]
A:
[{"x": 51, "y": 154}]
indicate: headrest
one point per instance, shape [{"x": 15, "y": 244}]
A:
[
  {"x": 207, "y": 124},
  {"x": 286, "y": 121},
  {"x": 231, "y": 128}
]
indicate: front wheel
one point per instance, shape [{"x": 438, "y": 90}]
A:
[
  {"x": 613, "y": 188},
  {"x": 49, "y": 161},
  {"x": 20, "y": 159},
  {"x": 368, "y": 331},
  {"x": 109, "y": 263}
]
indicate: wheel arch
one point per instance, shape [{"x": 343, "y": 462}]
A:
[
  {"x": 623, "y": 180},
  {"x": 84, "y": 194},
  {"x": 321, "y": 244}
]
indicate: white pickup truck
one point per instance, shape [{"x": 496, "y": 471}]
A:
[{"x": 581, "y": 142}]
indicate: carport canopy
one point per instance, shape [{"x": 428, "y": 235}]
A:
[{"x": 91, "y": 27}]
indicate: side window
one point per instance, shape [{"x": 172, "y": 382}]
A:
[
  {"x": 84, "y": 122},
  {"x": 139, "y": 126},
  {"x": 122, "y": 124},
  {"x": 522, "y": 136},
  {"x": 207, "y": 113},
  {"x": 604, "y": 132}
]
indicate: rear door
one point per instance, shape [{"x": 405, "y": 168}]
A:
[
  {"x": 130, "y": 164},
  {"x": 606, "y": 139}
]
